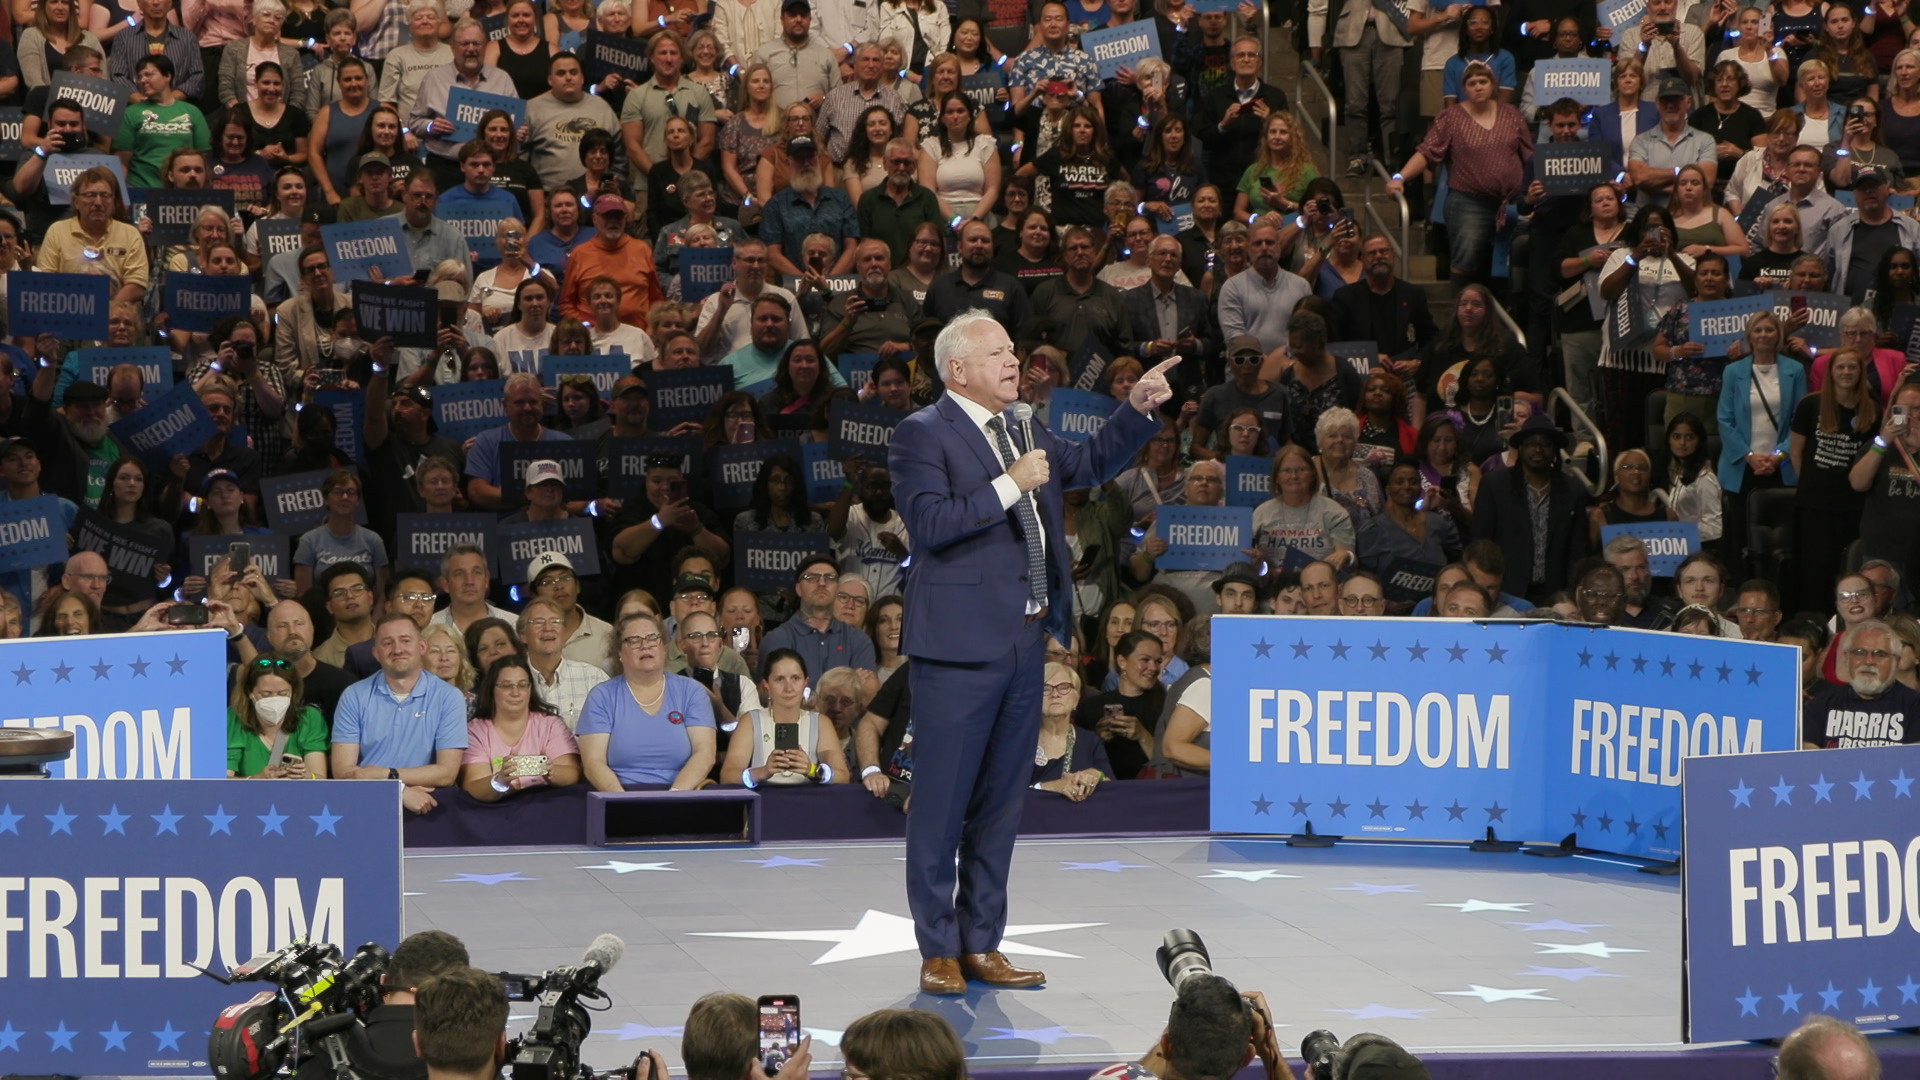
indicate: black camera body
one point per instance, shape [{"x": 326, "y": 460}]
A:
[
  {"x": 550, "y": 1049},
  {"x": 251, "y": 1040}
]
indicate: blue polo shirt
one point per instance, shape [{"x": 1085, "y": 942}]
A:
[
  {"x": 483, "y": 460},
  {"x": 401, "y": 732},
  {"x": 839, "y": 645},
  {"x": 787, "y": 221}
]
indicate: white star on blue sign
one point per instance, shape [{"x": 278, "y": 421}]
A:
[
  {"x": 1909, "y": 991},
  {"x": 1822, "y": 789},
  {"x": 10, "y": 1037},
  {"x": 1862, "y": 788},
  {"x": 1750, "y": 1003},
  {"x": 1830, "y": 997},
  {"x": 1782, "y": 792},
  {"x": 1869, "y": 994},
  {"x": 1742, "y": 795},
  {"x": 166, "y": 821},
  {"x": 1902, "y": 785},
  {"x": 1789, "y": 1001},
  {"x": 324, "y": 821}
]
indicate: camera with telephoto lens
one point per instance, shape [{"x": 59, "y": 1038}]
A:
[
  {"x": 1319, "y": 1050},
  {"x": 1182, "y": 955},
  {"x": 253, "y": 1038},
  {"x": 550, "y": 1049}
]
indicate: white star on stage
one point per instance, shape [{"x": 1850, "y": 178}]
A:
[
  {"x": 1484, "y": 905},
  {"x": 625, "y": 868},
  {"x": 1492, "y": 994},
  {"x": 1588, "y": 948},
  {"x": 1262, "y": 874},
  {"x": 881, "y": 934},
  {"x": 824, "y": 1035}
]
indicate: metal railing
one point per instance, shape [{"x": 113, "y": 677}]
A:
[
  {"x": 1331, "y": 135},
  {"x": 1581, "y": 425},
  {"x": 1513, "y": 328},
  {"x": 1404, "y": 248}
]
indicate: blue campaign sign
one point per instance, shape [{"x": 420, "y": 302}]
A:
[
  {"x": 1894, "y": 202},
  {"x": 1668, "y": 542},
  {"x": 766, "y": 561},
  {"x": 173, "y": 423},
  {"x": 422, "y": 540},
  {"x": 1533, "y": 729},
  {"x": 154, "y": 879},
  {"x": 155, "y": 364},
  {"x": 1088, "y": 364},
  {"x": 465, "y": 108},
  {"x": 1799, "y": 879},
  {"x": 63, "y": 169},
  {"x": 684, "y": 394},
  {"x": 479, "y": 224},
  {"x": 173, "y": 210},
  {"x": 349, "y": 417},
  {"x": 1248, "y": 480},
  {"x": 604, "y": 369},
  {"x": 463, "y": 410},
  {"x": 13, "y": 122},
  {"x": 33, "y": 532},
  {"x": 198, "y": 302},
  {"x": 703, "y": 271},
  {"x": 1620, "y": 14},
  {"x": 1359, "y": 355},
  {"x": 1203, "y": 537},
  {"x": 734, "y": 468},
  {"x": 294, "y": 503},
  {"x": 1719, "y": 323},
  {"x": 1202, "y": 7},
  {"x": 825, "y": 476},
  {"x": 357, "y": 246},
  {"x": 625, "y": 467},
  {"x": 1182, "y": 219},
  {"x": 1078, "y": 415},
  {"x": 1822, "y": 330},
  {"x": 1115, "y": 47},
  {"x": 577, "y": 460},
  {"x": 1588, "y": 82},
  {"x": 857, "y": 368},
  {"x": 861, "y": 431},
  {"x": 140, "y": 706},
  {"x": 71, "y": 306},
  {"x": 521, "y": 541}
]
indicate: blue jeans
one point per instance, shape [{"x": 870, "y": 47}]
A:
[{"x": 1470, "y": 232}]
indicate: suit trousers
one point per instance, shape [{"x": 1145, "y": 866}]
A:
[
  {"x": 975, "y": 727},
  {"x": 1372, "y": 73}
]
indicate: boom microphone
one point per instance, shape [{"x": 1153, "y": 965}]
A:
[{"x": 606, "y": 951}]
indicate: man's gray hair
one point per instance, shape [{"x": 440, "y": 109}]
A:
[
  {"x": 953, "y": 338},
  {"x": 1866, "y": 626},
  {"x": 1623, "y": 545},
  {"x": 457, "y": 550},
  {"x": 1893, "y": 572},
  {"x": 853, "y": 577}
]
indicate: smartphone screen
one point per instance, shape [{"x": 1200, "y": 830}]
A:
[
  {"x": 779, "y": 1030},
  {"x": 742, "y": 638},
  {"x": 1796, "y": 304},
  {"x": 1503, "y": 408}
]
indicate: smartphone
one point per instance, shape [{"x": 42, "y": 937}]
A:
[
  {"x": 1796, "y": 304},
  {"x": 786, "y": 736},
  {"x": 779, "y": 1030},
  {"x": 239, "y": 557},
  {"x": 703, "y": 676},
  {"x": 1666, "y": 29},
  {"x": 187, "y": 615},
  {"x": 1899, "y": 413},
  {"x": 878, "y": 303},
  {"x": 1110, "y": 715},
  {"x": 742, "y": 638},
  {"x": 328, "y": 378},
  {"x": 1347, "y": 216},
  {"x": 1087, "y": 556},
  {"x": 898, "y": 792},
  {"x": 1503, "y": 412},
  {"x": 292, "y": 759},
  {"x": 527, "y": 764},
  {"x": 450, "y": 313}
]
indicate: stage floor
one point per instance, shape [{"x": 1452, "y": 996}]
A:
[{"x": 1439, "y": 947}]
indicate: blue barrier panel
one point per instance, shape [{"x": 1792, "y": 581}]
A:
[
  {"x": 1799, "y": 882},
  {"x": 127, "y": 883},
  {"x": 1443, "y": 728},
  {"x": 140, "y": 706}
]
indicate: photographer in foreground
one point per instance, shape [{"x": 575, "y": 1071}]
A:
[
  {"x": 384, "y": 1045},
  {"x": 1213, "y": 1031}
]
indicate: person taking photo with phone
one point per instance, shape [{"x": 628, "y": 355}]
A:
[{"x": 774, "y": 740}]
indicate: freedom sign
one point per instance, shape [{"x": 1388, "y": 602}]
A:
[
  {"x": 610, "y": 54},
  {"x": 294, "y": 503},
  {"x": 1619, "y": 14},
  {"x": 1248, "y": 480},
  {"x": 521, "y": 541},
  {"x": 103, "y": 100},
  {"x": 1115, "y": 47},
  {"x": 172, "y": 424},
  {"x": 463, "y": 410},
  {"x": 625, "y": 466},
  {"x": 1824, "y": 309},
  {"x": 860, "y": 431},
  {"x": 465, "y": 108},
  {"x": 271, "y": 552},
  {"x": 63, "y": 169},
  {"x": 33, "y": 532},
  {"x": 422, "y": 540},
  {"x": 198, "y": 302},
  {"x": 479, "y": 225},
  {"x": 173, "y": 211},
  {"x": 155, "y": 364},
  {"x": 1203, "y": 537},
  {"x": 71, "y": 306},
  {"x": 703, "y": 271},
  {"x": 825, "y": 476},
  {"x": 1717, "y": 324},
  {"x": 1569, "y": 168},
  {"x": 1443, "y": 728},
  {"x": 576, "y": 459},
  {"x": 355, "y": 247},
  {"x": 1799, "y": 876},
  {"x": 735, "y": 467},
  {"x": 1588, "y": 82},
  {"x": 1668, "y": 542},
  {"x": 155, "y": 879},
  {"x": 13, "y": 122},
  {"x": 684, "y": 394},
  {"x": 767, "y": 561},
  {"x": 1078, "y": 415},
  {"x": 146, "y": 706}
]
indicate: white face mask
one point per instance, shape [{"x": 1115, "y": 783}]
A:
[{"x": 272, "y": 709}]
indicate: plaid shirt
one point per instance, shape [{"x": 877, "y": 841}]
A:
[
  {"x": 567, "y": 693},
  {"x": 842, "y": 109},
  {"x": 388, "y": 33}
]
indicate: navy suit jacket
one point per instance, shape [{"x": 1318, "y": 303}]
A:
[
  {"x": 1606, "y": 129},
  {"x": 967, "y": 589}
]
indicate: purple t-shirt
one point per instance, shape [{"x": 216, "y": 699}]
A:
[{"x": 646, "y": 748}]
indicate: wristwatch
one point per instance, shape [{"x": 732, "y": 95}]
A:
[{"x": 393, "y": 774}]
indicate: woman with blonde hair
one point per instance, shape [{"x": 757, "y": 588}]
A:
[
  {"x": 920, "y": 29},
  {"x": 240, "y": 61},
  {"x": 1279, "y": 175},
  {"x": 1900, "y": 111},
  {"x": 749, "y": 131},
  {"x": 1487, "y": 146},
  {"x": 1822, "y": 121},
  {"x": 1771, "y": 264},
  {"x": 447, "y": 657},
  {"x": 42, "y": 46}
]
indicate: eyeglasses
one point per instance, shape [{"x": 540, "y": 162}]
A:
[
  {"x": 558, "y": 578},
  {"x": 1600, "y": 594},
  {"x": 519, "y": 686},
  {"x": 91, "y": 577},
  {"x": 1753, "y": 612},
  {"x": 314, "y": 269},
  {"x": 540, "y": 624},
  {"x": 1245, "y": 359},
  {"x": 1244, "y": 429},
  {"x": 1853, "y": 596},
  {"x": 1363, "y": 601},
  {"x": 702, "y": 635},
  {"x": 1058, "y": 689},
  {"x": 818, "y": 579},
  {"x": 345, "y": 591},
  {"x": 415, "y": 597},
  {"x": 1159, "y": 625},
  {"x": 271, "y": 663},
  {"x": 639, "y": 640},
  {"x": 850, "y": 598},
  {"x": 1862, "y": 654}
]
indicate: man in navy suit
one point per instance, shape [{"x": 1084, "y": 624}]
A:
[{"x": 991, "y": 578}]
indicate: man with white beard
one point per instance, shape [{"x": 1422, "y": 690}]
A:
[
  {"x": 75, "y": 461},
  {"x": 807, "y": 206},
  {"x": 1873, "y": 708}
]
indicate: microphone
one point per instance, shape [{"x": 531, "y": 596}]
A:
[
  {"x": 1023, "y": 415},
  {"x": 604, "y": 953}
]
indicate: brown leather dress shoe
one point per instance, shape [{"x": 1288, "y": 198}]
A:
[
  {"x": 993, "y": 969},
  {"x": 941, "y": 975}
]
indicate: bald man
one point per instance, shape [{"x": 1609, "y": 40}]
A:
[
  {"x": 876, "y": 317},
  {"x": 1827, "y": 1049},
  {"x": 88, "y": 575}
]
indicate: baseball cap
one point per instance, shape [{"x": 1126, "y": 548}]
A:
[
  {"x": 687, "y": 583},
  {"x": 1673, "y": 87},
  {"x": 543, "y": 471},
  {"x": 794, "y": 7},
  {"x": 1058, "y": 86},
  {"x": 85, "y": 393},
  {"x": 215, "y": 476},
  {"x": 802, "y": 144},
  {"x": 1862, "y": 176},
  {"x": 1245, "y": 343},
  {"x": 1241, "y": 573},
  {"x": 609, "y": 202},
  {"x": 375, "y": 161},
  {"x": 1376, "y": 1057},
  {"x": 419, "y": 395},
  {"x": 629, "y": 382},
  {"x": 818, "y": 558},
  {"x": 546, "y": 561},
  {"x": 9, "y": 445}
]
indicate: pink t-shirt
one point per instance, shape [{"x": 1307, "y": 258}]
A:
[{"x": 545, "y": 734}]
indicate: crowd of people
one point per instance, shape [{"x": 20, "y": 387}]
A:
[{"x": 874, "y": 171}]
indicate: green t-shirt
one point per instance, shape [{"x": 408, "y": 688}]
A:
[
  {"x": 151, "y": 132},
  {"x": 247, "y": 754},
  {"x": 1257, "y": 202},
  {"x": 98, "y": 462}
]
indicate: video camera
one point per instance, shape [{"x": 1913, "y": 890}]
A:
[
  {"x": 550, "y": 1049},
  {"x": 253, "y": 1038}
]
